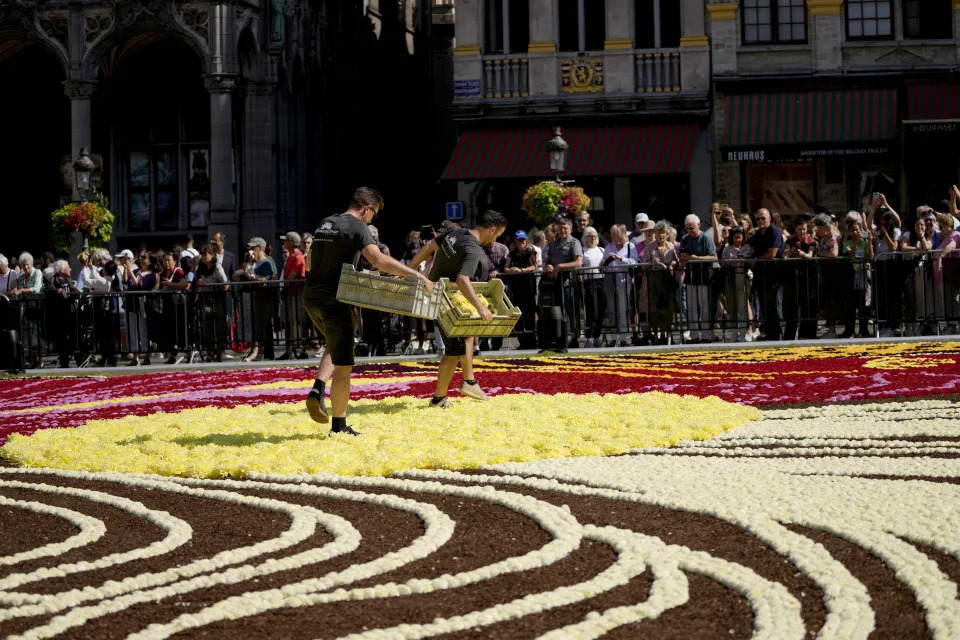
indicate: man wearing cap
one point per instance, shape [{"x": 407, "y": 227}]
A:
[
  {"x": 294, "y": 269},
  {"x": 340, "y": 239},
  {"x": 639, "y": 227},
  {"x": 522, "y": 262}
]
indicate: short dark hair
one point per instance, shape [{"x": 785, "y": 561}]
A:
[
  {"x": 565, "y": 221},
  {"x": 366, "y": 197},
  {"x": 491, "y": 218}
]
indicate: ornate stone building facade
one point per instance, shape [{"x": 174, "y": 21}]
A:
[
  {"x": 628, "y": 81},
  {"x": 245, "y": 117},
  {"x": 823, "y": 102}
]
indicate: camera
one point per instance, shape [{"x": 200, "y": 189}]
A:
[{"x": 427, "y": 233}]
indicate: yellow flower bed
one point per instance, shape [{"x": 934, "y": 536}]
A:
[{"x": 397, "y": 433}]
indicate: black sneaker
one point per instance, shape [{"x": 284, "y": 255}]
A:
[
  {"x": 344, "y": 429},
  {"x": 316, "y": 407}
]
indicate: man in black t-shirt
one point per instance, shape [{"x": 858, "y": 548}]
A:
[
  {"x": 341, "y": 239},
  {"x": 456, "y": 255},
  {"x": 522, "y": 263}
]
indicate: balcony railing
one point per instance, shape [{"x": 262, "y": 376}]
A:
[
  {"x": 506, "y": 77},
  {"x": 658, "y": 71}
]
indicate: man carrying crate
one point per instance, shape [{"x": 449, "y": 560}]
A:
[
  {"x": 341, "y": 239},
  {"x": 456, "y": 255}
]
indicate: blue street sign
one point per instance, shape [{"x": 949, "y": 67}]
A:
[{"x": 454, "y": 211}]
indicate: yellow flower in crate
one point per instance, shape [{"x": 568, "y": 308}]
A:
[
  {"x": 460, "y": 302},
  {"x": 397, "y": 433}
]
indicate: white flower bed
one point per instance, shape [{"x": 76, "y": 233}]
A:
[
  {"x": 91, "y": 530},
  {"x": 736, "y": 478}
]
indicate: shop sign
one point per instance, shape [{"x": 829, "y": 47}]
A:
[
  {"x": 780, "y": 153},
  {"x": 466, "y": 89},
  {"x": 933, "y": 126}
]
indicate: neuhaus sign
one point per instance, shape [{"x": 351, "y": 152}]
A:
[{"x": 788, "y": 152}]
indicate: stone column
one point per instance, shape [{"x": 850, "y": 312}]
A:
[
  {"x": 544, "y": 66},
  {"x": 618, "y": 58},
  {"x": 223, "y": 213},
  {"x": 258, "y": 181},
  {"x": 723, "y": 34},
  {"x": 826, "y": 34},
  {"x": 80, "y": 92},
  {"x": 694, "y": 48}
]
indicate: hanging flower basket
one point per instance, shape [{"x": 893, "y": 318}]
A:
[
  {"x": 542, "y": 202},
  {"x": 92, "y": 220}
]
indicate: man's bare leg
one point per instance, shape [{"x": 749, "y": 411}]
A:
[
  {"x": 448, "y": 366},
  {"x": 470, "y": 387},
  {"x": 340, "y": 391},
  {"x": 315, "y": 399},
  {"x": 467, "y": 361}
]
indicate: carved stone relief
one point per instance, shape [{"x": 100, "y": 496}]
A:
[
  {"x": 901, "y": 55},
  {"x": 197, "y": 19},
  {"x": 95, "y": 24},
  {"x": 54, "y": 25}
]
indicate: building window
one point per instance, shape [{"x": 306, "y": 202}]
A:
[
  {"x": 770, "y": 21},
  {"x": 506, "y": 26},
  {"x": 582, "y": 25},
  {"x": 928, "y": 19},
  {"x": 657, "y": 24},
  {"x": 154, "y": 189},
  {"x": 869, "y": 19}
]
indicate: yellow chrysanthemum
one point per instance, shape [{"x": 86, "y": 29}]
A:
[{"x": 397, "y": 433}]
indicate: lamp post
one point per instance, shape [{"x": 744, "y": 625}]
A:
[
  {"x": 83, "y": 169},
  {"x": 557, "y": 151}
]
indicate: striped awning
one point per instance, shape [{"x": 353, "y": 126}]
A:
[
  {"x": 817, "y": 118},
  {"x": 933, "y": 102},
  {"x": 593, "y": 151}
]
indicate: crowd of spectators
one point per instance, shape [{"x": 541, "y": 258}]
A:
[{"x": 727, "y": 277}]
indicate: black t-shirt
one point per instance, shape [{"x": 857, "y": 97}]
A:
[
  {"x": 523, "y": 259},
  {"x": 458, "y": 252},
  {"x": 337, "y": 241},
  {"x": 763, "y": 241}
]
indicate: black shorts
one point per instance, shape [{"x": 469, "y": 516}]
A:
[
  {"x": 452, "y": 346},
  {"x": 334, "y": 321}
]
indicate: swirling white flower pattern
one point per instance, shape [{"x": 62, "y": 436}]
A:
[{"x": 883, "y": 478}]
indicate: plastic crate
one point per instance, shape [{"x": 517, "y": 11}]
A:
[
  {"x": 458, "y": 324},
  {"x": 407, "y": 296}
]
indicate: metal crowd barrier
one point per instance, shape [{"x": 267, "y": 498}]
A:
[{"x": 915, "y": 293}]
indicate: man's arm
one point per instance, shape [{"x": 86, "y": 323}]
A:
[
  {"x": 466, "y": 288},
  {"x": 425, "y": 252},
  {"x": 573, "y": 264},
  {"x": 385, "y": 263}
]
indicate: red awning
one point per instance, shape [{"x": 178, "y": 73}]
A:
[
  {"x": 594, "y": 151},
  {"x": 810, "y": 117},
  {"x": 934, "y": 102}
]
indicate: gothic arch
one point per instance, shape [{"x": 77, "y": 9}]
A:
[
  {"x": 135, "y": 24},
  {"x": 21, "y": 27}
]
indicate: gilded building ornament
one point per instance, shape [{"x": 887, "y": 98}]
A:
[{"x": 581, "y": 75}]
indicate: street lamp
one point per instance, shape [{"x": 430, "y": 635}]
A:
[
  {"x": 83, "y": 169},
  {"x": 557, "y": 150}
]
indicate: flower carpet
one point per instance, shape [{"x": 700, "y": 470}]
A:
[{"x": 765, "y": 493}]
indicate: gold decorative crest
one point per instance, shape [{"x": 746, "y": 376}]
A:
[{"x": 582, "y": 75}]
